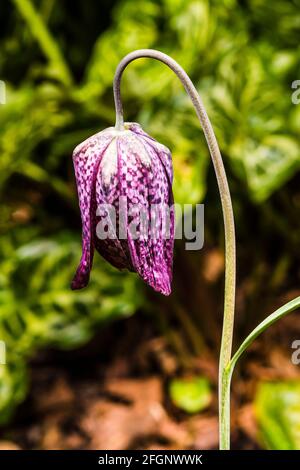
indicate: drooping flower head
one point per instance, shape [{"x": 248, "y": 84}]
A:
[{"x": 124, "y": 181}]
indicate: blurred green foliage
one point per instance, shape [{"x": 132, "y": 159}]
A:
[
  {"x": 277, "y": 408},
  {"x": 58, "y": 63},
  {"x": 37, "y": 307},
  {"x": 192, "y": 394}
]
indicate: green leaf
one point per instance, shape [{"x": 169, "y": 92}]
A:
[
  {"x": 46, "y": 41},
  {"x": 277, "y": 407},
  {"x": 191, "y": 394},
  {"x": 13, "y": 385}
]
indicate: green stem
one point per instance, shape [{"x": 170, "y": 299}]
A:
[
  {"x": 224, "y": 410},
  {"x": 228, "y": 371},
  {"x": 230, "y": 268},
  {"x": 279, "y": 313}
]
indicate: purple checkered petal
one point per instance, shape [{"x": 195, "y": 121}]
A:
[
  {"x": 86, "y": 160},
  {"x": 131, "y": 173},
  {"x": 147, "y": 186}
]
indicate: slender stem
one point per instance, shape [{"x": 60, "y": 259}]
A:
[
  {"x": 228, "y": 371},
  {"x": 261, "y": 327},
  {"x": 230, "y": 268}
]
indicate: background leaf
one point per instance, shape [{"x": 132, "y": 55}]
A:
[
  {"x": 277, "y": 408},
  {"x": 191, "y": 394}
]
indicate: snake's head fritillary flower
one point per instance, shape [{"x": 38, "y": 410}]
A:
[{"x": 124, "y": 182}]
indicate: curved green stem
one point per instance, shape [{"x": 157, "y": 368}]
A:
[
  {"x": 228, "y": 371},
  {"x": 230, "y": 263},
  {"x": 279, "y": 313}
]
